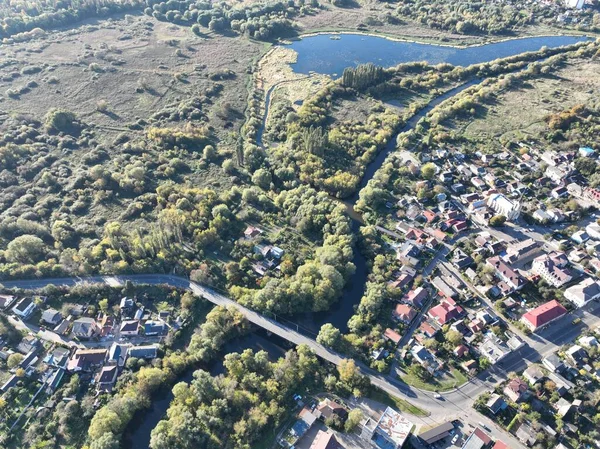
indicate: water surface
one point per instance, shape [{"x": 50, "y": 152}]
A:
[{"x": 322, "y": 54}]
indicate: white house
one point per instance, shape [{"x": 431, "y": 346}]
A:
[
  {"x": 552, "y": 268},
  {"x": 503, "y": 206},
  {"x": 584, "y": 292},
  {"x": 24, "y": 308}
]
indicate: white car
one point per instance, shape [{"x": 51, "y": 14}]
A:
[
  {"x": 437, "y": 396},
  {"x": 455, "y": 439}
]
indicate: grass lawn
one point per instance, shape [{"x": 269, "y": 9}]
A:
[
  {"x": 449, "y": 381},
  {"x": 379, "y": 395}
]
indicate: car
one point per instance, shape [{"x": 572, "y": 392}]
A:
[
  {"x": 576, "y": 321},
  {"x": 455, "y": 439},
  {"x": 437, "y": 396}
]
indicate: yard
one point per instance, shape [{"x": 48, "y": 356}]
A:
[{"x": 447, "y": 381}]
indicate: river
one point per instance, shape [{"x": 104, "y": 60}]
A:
[
  {"x": 140, "y": 428},
  {"x": 353, "y": 49}
]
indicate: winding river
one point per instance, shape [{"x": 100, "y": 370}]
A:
[{"x": 322, "y": 54}]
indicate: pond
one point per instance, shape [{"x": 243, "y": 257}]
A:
[{"x": 322, "y": 54}]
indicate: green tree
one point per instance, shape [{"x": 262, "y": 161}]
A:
[
  {"x": 329, "y": 335},
  {"x": 25, "y": 249},
  {"x": 354, "y": 418},
  {"x": 14, "y": 360},
  {"x": 497, "y": 221},
  {"x": 428, "y": 170}
]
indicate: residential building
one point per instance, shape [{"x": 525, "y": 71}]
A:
[
  {"x": 447, "y": 310},
  {"x": 425, "y": 358},
  {"x": 510, "y": 277},
  {"x": 106, "y": 378},
  {"x": 493, "y": 348},
  {"x": 51, "y": 316},
  {"x": 516, "y": 390},
  {"x": 504, "y": 206},
  {"x": 496, "y": 403},
  {"x": 533, "y": 374},
  {"x": 24, "y": 308},
  {"x": 126, "y": 303},
  {"x": 143, "y": 352},
  {"x": 522, "y": 251},
  {"x": 329, "y": 408},
  {"x": 117, "y": 354},
  {"x": 392, "y": 335},
  {"x": 430, "y": 435},
  {"x": 553, "y": 363},
  {"x": 58, "y": 358},
  {"x": 526, "y": 434},
  {"x": 477, "y": 440},
  {"x": 325, "y": 440},
  {"x": 6, "y": 301},
  {"x": 553, "y": 269},
  {"x": 85, "y": 328},
  {"x": 543, "y": 315},
  {"x": 86, "y": 360},
  {"x": 444, "y": 288},
  {"x": 155, "y": 328},
  {"x": 252, "y": 232},
  {"x": 584, "y": 292},
  {"x": 392, "y": 430},
  {"x": 416, "y": 297},
  {"x": 129, "y": 328},
  {"x": 580, "y": 237},
  {"x": 404, "y": 313}
]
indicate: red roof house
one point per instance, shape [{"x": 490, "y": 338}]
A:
[
  {"x": 445, "y": 311},
  {"x": 392, "y": 335},
  {"x": 543, "y": 315},
  {"x": 404, "y": 313}
]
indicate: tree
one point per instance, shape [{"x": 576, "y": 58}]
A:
[
  {"x": 262, "y": 178},
  {"x": 25, "y": 249},
  {"x": 353, "y": 420},
  {"x": 103, "y": 305},
  {"x": 209, "y": 153},
  {"x": 329, "y": 335},
  {"x": 428, "y": 170},
  {"x": 497, "y": 221},
  {"x": 453, "y": 337},
  {"x": 14, "y": 360},
  {"x": 59, "y": 120},
  {"x": 228, "y": 166}
]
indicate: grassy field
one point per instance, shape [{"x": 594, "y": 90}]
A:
[
  {"x": 399, "y": 404},
  {"x": 448, "y": 381},
  {"x": 519, "y": 113}
]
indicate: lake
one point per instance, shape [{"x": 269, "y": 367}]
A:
[{"x": 322, "y": 54}]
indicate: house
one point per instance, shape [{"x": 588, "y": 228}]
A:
[
  {"x": 143, "y": 352},
  {"x": 51, "y": 316},
  {"x": 106, "y": 324},
  {"x": 24, "y": 308},
  {"x": 106, "y": 378},
  {"x": 477, "y": 440},
  {"x": 553, "y": 363},
  {"x": 493, "y": 348},
  {"x": 460, "y": 259},
  {"x": 155, "y": 328},
  {"x": 58, "y": 358},
  {"x": 54, "y": 379},
  {"x": 593, "y": 230},
  {"x": 552, "y": 268},
  {"x": 543, "y": 315},
  {"x": 428, "y": 329},
  {"x": 129, "y": 327},
  {"x": 403, "y": 280},
  {"x": 509, "y": 276},
  {"x": 526, "y": 434},
  {"x": 409, "y": 253},
  {"x": 522, "y": 251},
  {"x": 496, "y": 403},
  {"x": 29, "y": 359},
  {"x": 28, "y": 344},
  {"x": 584, "y": 292},
  {"x": 252, "y": 232},
  {"x": 533, "y": 374},
  {"x": 392, "y": 335},
  {"x": 577, "y": 355},
  {"x": 329, "y": 408},
  {"x": 460, "y": 351},
  {"x": 442, "y": 286},
  {"x": 586, "y": 151},
  {"x": 447, "y": 310},
  {"x": 325, "y": 440},
  {"x": 430, "y": 435},
  {"x": 404, "y": 313},
  {"x": 588, "y": 341},
  {"x": 86, "y": 360},
  {"x": 516, "y": 390},
  {"x": 85, "y": 328},
  {"x": 11, "y": 382},
  {"x": 559, "y": 192},
  {"x": 580, "y": 237},
  {"x": 392, "y": 430},
  {"x": 126, "y": 303},
  {"x": 416, "y": 297},
  {"x": 562, "y": 385},
  {"x": 117, "y": 354},
  {"x": 504, "y": 206},
  {"x": 6, "y": 301},
  {"x": 425, "y": 358}
]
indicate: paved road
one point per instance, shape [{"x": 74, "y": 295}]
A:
[{"x": 456, "y": 403}]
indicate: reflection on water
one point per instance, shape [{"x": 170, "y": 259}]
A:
[{"x": 321, "y": 54}]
